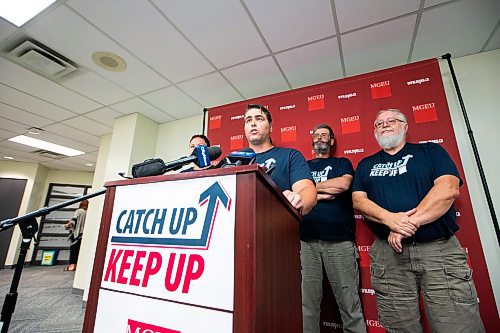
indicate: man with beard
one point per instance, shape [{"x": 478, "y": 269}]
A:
[
  {"x": 327, "y": 239},
  {"x": 290, "y": 170},
  {"x": 406, "y": 191}
]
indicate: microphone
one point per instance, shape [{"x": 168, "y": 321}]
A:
[
  {"x": 236, "y": 158},
  {"x": 201, "y": 156}
]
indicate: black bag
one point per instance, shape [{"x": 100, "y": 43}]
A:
[{"x": 150, "y": 167}]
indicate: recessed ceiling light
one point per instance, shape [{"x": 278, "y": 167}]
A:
[
  {"x": 21, "y": 11},
  {"x": 35, "y": 130},
  {"x": 109, "y": 61},
  {"x": 26, "y": 140},
  {"x": 89, "y": 164},
  {"x": 8, "y": 157}
]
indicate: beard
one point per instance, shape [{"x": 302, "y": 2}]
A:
[
  {"x": 390, "y": 141},
  {"x": 321, "y": 147}
]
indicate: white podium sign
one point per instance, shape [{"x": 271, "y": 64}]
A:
[{"x": 169, "y": 264}]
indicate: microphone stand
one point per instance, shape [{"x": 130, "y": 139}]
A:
[{"x": 29, "y": 227}]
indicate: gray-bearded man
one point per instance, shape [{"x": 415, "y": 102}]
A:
[{"x": 406, "y": 191}]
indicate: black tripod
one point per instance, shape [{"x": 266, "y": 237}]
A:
[{"x": 29, "y": 227}]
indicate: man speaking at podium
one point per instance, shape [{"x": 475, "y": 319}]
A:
[{"x": 289, "y": 168}]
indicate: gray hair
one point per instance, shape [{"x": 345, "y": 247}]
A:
[
  {"x": 330, "y": 131},
  {"x": 400, "y": 114}
]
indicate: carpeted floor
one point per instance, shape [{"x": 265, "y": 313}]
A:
[{"x": 45, "y": 303}]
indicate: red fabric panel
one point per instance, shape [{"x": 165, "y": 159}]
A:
[{"x": 349, "y": 106}]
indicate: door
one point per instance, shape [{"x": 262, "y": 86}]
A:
[{"x": 11, "y": 194}]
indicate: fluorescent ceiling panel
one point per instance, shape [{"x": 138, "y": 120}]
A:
[
  {"x": 26, "y": 140},
  {"x": 21, "y": 11}
]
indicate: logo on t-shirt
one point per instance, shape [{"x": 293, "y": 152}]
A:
[
  {"x": 390, "y": 169},
  {"x": 269, "y": 163},
  {"x": 321, "y": 175}
]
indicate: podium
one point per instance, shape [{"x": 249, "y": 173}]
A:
[{"x": 209, "y": 251}]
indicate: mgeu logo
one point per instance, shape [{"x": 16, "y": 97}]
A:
[{"x": 423, "y": 107}]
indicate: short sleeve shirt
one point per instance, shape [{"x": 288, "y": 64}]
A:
[
  {"x": 330, "y": 220},
  {"x": 289, "y": 166},
  {"x": 399, "y": 182}
]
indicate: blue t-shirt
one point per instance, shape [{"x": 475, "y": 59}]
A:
[
  {"x": 330, "y": 220},
  {"x": 399, "y": 182},
  {"x": 289, "y": 166}
]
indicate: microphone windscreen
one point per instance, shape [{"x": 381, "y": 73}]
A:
[
  {"x": 205, "y": 155},
  {"x": 244, "y": 156},
  {"x": 150, "y": 167},
  {"x": 214, "y": 152}
]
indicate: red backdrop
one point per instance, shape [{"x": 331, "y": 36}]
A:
[{"x": 349, "y": 106}]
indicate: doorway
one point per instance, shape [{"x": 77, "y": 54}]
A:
[{"x": 11, "y": 195}]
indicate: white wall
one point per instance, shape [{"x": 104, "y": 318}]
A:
[
  {"x": 93, "y": 221},
  {"x": 38, "y": 180},
  {"x": 33, "y": 173},
  {"x": 479, "y": 81},
  {"x": 173, "y": 137}
]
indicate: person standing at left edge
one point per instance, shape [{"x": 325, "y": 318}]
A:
[{"x": 327, "y": 239}]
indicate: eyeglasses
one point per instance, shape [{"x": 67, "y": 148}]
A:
[
  {"x": 321, "y": 135},
  {"x": 390, "y": 122}
]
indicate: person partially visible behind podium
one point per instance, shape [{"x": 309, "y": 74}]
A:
[
  {"x": 75, "y": 227},
  {"x": 195, "y": 141},
  {"x": 289, "y": 168}
]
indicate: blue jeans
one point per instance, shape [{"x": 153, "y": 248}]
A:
[
  {"x": 341, "y": 266},
  {"x": 438, "y": 270}
]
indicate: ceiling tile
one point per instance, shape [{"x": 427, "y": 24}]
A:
[
  {"x": 430, "y": 3},
  {"x": 75, "y": 38},
  {"x": 13, "y": 126},
  {"x": 105, "y": 116},
  {"x": 382, "y": 46},
  {"x": 20, "y": 153},
  {"x": 354, "y": 14},
  {"x": 174, "y": 102},
  {"x": 32, "y": 104},
  {"x": 6, "y": 28},
  {"x": 494, "y": 42},
  {"x": 215, "y": 40},
  {"x": 257, "y": 78},
  {"x": 311, "y": 64},
  {"x": 287, "y": 23},
  {"x": 64, "y": 165},
  {"x": 33, "y": 120},
  {"x": 138, "y": 105},
  {"x": 61, "y": 139},
  {"x": 464, "y": 25},
  {"x": 87, "y": 125},
  {"x": 152, "y": 38},
  {"x": 97, "y": 88},
  {"x": 81, "y": 160},
  {"x": 20, "y": 78},
  {"x": 74, "y": 134},
  {"x": 211, "y": 90},
  {"x": 7, "y": 134}
]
